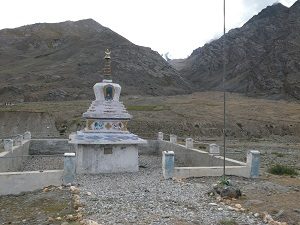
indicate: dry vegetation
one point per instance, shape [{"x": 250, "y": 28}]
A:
[
  {"x": 199, "y": 115},
  {"x": 273, "y": 127}
]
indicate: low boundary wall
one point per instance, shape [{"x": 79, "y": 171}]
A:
[
  {"x": 13, "y": 157},
  {"x": 48, "y": 146},
  {"x": 13, "y": 160},
  {"x": 194, "y": 157},
  {"x": 185, "y": 172},
  {"x": 196, "y": 163},
  {"x": 17, "y": 182}
]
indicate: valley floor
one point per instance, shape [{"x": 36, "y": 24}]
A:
[
  {"x": 271, "y": 126},
  {"x": 146, "y": 198}
]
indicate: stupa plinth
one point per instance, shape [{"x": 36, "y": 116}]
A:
[{"x": 105, "y": 145}]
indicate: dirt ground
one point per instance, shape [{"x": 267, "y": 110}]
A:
[
  {"x": 277, "y": 195},
  {"x": 270, "y": 126},
  {"x": 36, "y": 208}
]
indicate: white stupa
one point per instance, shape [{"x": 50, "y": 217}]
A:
[{"x": 105, "y": 145}]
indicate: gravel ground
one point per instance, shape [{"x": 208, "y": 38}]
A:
[
  {"x": 38, "y": 162},
  {"x": 145, "y": 198}
]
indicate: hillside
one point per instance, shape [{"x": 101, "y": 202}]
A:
[
  {"x": 62, "y": 61},
  {"x": 199, "y": 115},
  {"x": 262, "y": 57}
]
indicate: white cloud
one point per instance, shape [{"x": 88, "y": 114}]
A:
[{"x": 174, "y": 26}]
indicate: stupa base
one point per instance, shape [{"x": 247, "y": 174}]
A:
[{"x": 95, "y": 159}]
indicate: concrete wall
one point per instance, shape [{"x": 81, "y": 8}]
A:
[
  {"x": 185, "y": 172},
  {"x": 17, "y": 182},
  {"x": 196, "y": 163},
  {"x": 91, "y": 159},
  {"x": 193, "y": 157},
  {"x": 13, "y": 160},
  {"x": 48, "y": 146},
  {"x": 60, "y": 146},
  {"x": 150, "y": 148}
]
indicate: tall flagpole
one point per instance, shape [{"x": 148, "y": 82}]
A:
[{"x": 224, "y": 91}]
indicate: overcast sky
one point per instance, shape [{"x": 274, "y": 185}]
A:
[{"x": 175, "y": 26}]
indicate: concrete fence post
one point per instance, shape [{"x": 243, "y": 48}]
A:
[
  {"x": 189, "y": 143},
  {"x": 69, "y": 168},
  {"x": 160, "y": 136},
  {"x": 27, "y": 135},
  {"x": 168, "y": 164},
  {"x": 8, "y": 144},
  {"x": 19, "y": 140},
  {"x": 253, "y": 162},
  {"x": 173, "y": 138},
  {"x": 214, "y": 149}
]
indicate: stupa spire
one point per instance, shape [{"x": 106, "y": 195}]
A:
[
  {"x": 107, "y": 66},
  {"x": 105, "y": 145}
]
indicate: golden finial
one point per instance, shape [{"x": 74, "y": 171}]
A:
[{"x": 107, "y": 68}]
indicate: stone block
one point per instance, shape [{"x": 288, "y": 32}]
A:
[
  {"x": 18, "y": 140},
  {"x": 8, "y": 144},
  {"x": 69, "y": 168},
  {"x": 173, "y": 138},
  {"x": 189, "y": 143},
  {"x": 253, "y": 162},
  {"x": 168, "y": 164},
  {"x": 27, "y": 135},
  {"x": 160, "y": 136},
  {"x": 214, "y": 149}
]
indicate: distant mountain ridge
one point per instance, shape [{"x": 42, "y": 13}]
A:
[
  {"x": 262, "y": 57},
  {"x": 62, "y": 61}
]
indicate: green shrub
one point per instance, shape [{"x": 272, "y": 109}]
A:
[
  {"x": 225, "y": 181},
  {"x": 282, "y": 170}
]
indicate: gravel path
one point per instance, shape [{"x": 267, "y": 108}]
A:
[
  {"x": 145, "y": 198},
  {"x": 38, "y": 162}
]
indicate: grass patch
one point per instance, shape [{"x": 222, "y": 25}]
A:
[
  {"x": 278, "y": 154},
  {"x": 146, "y": 108},
  {"x": 282, "y": 170},
  {"x": 70, "y": 105},
  {"x": 227, "y": 222},
  {"x": 46, "y": 106}
]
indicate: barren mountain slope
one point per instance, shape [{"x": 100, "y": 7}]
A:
[
  {"x": 262, "y": 57},
  {"x": 62, "y": 61}
]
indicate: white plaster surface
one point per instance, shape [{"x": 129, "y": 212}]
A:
[
  {"x": 107, "y": 110},
  {"x": 173, "y": 138},
  {"x": 185, "y": 172},
  {"x": 214, "y": 149},
  {"x": 160, "y": 136},
  {"x": 92, "y": 160},
  {"x": 17, "y": 182},
  {"x": 103, "y": 109},
  {"x": 27, "y": 135},
  {"x": 189, "y": 143},
  {"x": 195, "y": 157},
  {"x": 8, "y": 144},
  {"x": 13, "y": 160},
  {"x": 99, "y": 94},
  {"x": 168, "y": 164},
  {"x": 104, "y": 138},
  {"x": 18, "y": 140}
]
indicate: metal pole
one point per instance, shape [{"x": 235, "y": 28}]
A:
[{"x": 224, "y": 91}]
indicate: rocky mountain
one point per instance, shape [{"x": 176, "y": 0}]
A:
[
  {"x": 62, "y": 61},
  {"x": 262, "y": 57}
]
